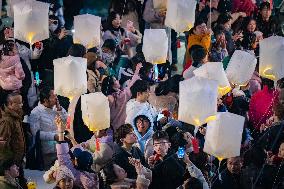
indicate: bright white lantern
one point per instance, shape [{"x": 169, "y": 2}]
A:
[
  {"x": 160, "y": 4},
  {"x": 215, "y": 71},
  {"x": 31, "y": 21},
  {"x": 223, "y": 135},
  {"x": 241, "y": 67},
  {"x": 197, "y": 100},
  {"x": 87, "y": 30},
  {"x": 271, "y": 54},
  {"x": 155, "y": 46},
  {"x": 180, "y": 14},
  {"x": 10, "y": 4},
  {"x": 70, "y": 78},
  {"x": 95, "y": 111}
]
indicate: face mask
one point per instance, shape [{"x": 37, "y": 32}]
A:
[
  {"x": 53, "y": 27},
  {"x": 107, "y": 58}
]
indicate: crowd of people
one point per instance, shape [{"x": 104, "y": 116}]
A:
[{"x": 141, "y": 147}]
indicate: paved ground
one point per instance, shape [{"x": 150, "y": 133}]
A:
[{"x": 37, "y": 177}]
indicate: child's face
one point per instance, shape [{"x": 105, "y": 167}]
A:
[
  {"x": 130, "y": 138},
  {"x": 66, "y": 183},
  {"x": 281, "y": 151},
  {"x": 143, "y": 96},
  {"x": 162, "y": 146}
]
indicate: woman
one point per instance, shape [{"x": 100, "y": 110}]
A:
[
  {"x": 116, "y": 177},
  {"x": 64, "y": 178},
  {"x": 118, "y": 97}
]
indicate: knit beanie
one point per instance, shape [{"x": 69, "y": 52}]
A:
[{"x": 63, "y": 172}]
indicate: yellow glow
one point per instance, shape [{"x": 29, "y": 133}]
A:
[
  {"x": 189, "y": 26},
  {"x": 160, "y": 61},
  {"x": 224, "y": 90},
  {"x": 30, "y": 37},
  {"x": 220, "y": 159},
  {"x": 210, "y": 118},
  {"x": 269, "y": 76},
  {"x": 198, "y": 123}
]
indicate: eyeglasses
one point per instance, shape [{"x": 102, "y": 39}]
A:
[{"x": 160, "y": 144}]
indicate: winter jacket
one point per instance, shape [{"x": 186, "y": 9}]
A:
[
  {"x": 6, "y": 183},
  {"x": 121, "y": 156},
  {"x": 168, "y": 173},
  {"x": 133, "y": 107},
  {"x": 196, "y": 173},
  {"x": 83, "y": 179},
  {"x": 260, "y": 107},
  {"x": 42, "y": 119},
  {"x": 152, "y": 17},
  {"x": 11, "y": 73},
  {"x": 270, "y": 27},
  {"x": 12, "y": 141},
  {"x": 227, "y": 180},
  {"x": 93, "y": 83}
]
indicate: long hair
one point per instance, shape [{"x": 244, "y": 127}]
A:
[
  {"x": 107, "y": 86},
  {"x": 108, "y": 26}
]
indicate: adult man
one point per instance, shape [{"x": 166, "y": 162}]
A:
[{"x": 42, "y": 120}]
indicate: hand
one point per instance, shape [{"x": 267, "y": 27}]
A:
[
  {"x": 163, "y": 120},
  {"x": 59, "y": 123},
  {"x": 208, "y": 31},
  {"x": 223, "y": 43},
  {"x": 58, "y": 107},
  {"x": 237, "y": 36},
  {"x": 151, "y": 161},
  {"x": 162, "y": 13},
  {"x": 63, "y": 33},
  {"x": 100, "y": 64},
  {"x": 242, "y": 14},
  {"x": 137, "y": 164},
  {"x": 186, "y": 159},
  {"x": 138, "y": 67}
]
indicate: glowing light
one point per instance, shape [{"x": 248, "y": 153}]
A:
[{"x": 268, "y": 75}]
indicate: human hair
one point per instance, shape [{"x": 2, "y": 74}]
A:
[
  {"x": 121, "y": 133},
  {"x": 110, "y": 176},
  {"x": 170, "y": 85},
  {"x": 248, "y": 41},
  {"x": 246, "y": 22},
  {"x": 267, "y": 82},
  {"x": 112, "y": 16},
  {"x": 160, "y": 135},
  {"x": 145, "y": 70},
  {"x": 177, "y": 141},
  {"x": 193, "y": 183},
  {"x": 124, "y": 7},
  {"x": 264, "y": 5},
  {"x": 110, "y": 44},
  {"x": 107, "y": 85},
  {"x": 9, "y": 96},
  {"x": 218, "y": 30},
  {"x": 223, "y": 18},
  {"x": 197, "y": 23},
  {"x": 139, "y": 86},
  {"x": 143, "y": 117},
  {"x": 5, "y": 165},
  {"x": 76, "y": 50},
  {"x": 198, "y": 54},
  {"x": 44, "y": 93}
]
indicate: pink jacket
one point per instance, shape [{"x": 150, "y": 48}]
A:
[{"x": 11, "y": 73}]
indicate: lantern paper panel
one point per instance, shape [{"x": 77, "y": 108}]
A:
[
  {"x": 10, "y": 5},
  {"x": 155, "y": 46},
  {"x": 95, "y": 111},
  {"x": 87, "y": 30},
  {"x": 70, "y": 78},
  {"x": 180, "y": 14},
  {"x": 160, "y": 4},
  {"x": 215, "y": 71},
  {"x": 223, "y": 135},
  {"x": 241, "y": 67},
  {"x": 31, "y": 21},
  {"x": 271, "y": 52},
  {"x": 198, "y": 100}
]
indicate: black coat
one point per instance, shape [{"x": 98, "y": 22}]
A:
[
  {"x": 121, "y": 156},
  {"x": 228, "y": 180},
  {"x": 169, "y": 173}
]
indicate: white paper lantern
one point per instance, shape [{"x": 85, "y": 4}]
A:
[
  {"x": 180, "y": 14},
  {"x": 31, "y": 21},
  {"x": 160, "y": 4},
  {"x": 95, "y": 111},
  {"x": 197, "y": 100},
  {"x": 87, "y": 30},
  {"x": 271, "y": 59},
  {"x": 155, "y": 46},
  {"x": 70, "y": 78},
  {"x": 241, "y": 67},
  {"x": 215, "y": 71},
  {"x": 223, "y": 135},
  {"x": 10, "y": 4}
]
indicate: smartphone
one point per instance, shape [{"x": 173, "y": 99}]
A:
[{"x": 181, "y": 152}]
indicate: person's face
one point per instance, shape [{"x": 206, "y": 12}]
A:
[
  {"x": 142, "y": 125},
  {"x": 161, "y": 147},
  {"x": 187, "y": 136},
  {"x": 116, "y": 22},
  {"x": 13, "y": 171},
  {"x": 52, "y": 99},
  {"x": 8, "y": 32},
  {"x": 251, "y": 26},
  {"x": 281, "y": 151},
  {"x": 265, "y": 13},
  {"x": 119, "y": 172},
  {"x": 143, "y": 96},
  {"x": 16, "y": 103},
  {"x": 234, "y": 165},
  {"x": 116, "y": 85},
  {"x": 66, "y": 183},
  {"x": 200, "y": 29},
  {"x": 214, "y": 3},
  {"x": 220, "y": 37},
  {"x": 130, "y": 138}
]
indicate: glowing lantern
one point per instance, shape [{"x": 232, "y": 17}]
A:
[
  {"x": 95, "y": 111},
  {"x": 160, "y": 4},
  {"x": 87, "y": 30},
  {"x": 271, "y": 54},
  {"x": 223, "y": 135},
  {"x": 241, "y": 67},
  {"x": 11, "y": 3},
  {"x": 155, "y": 46},
  {"x": 70, "y": 78},
  {"x": 215, "y": 71},
  {"x": 198, "y": 100},
  {"x": 31, "y": 21},
  {"x": 180, "y": 14}
]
